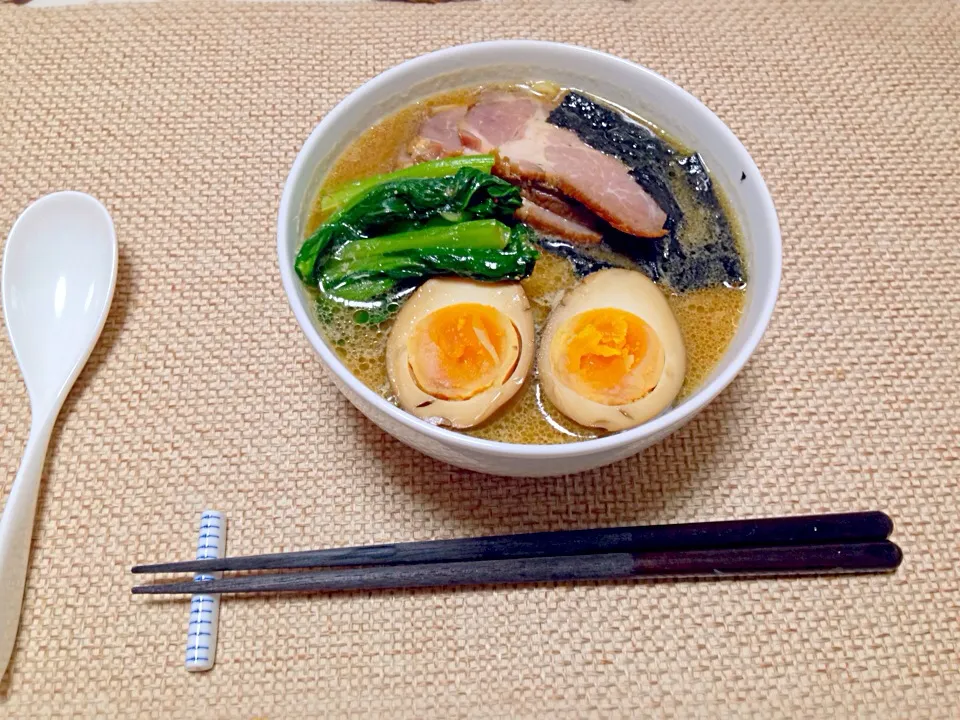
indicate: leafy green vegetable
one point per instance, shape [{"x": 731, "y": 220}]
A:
[
  {"x": 383, "y": 269},
  {"x": 345, "y": 194},
  {"x": 397, "y": 231},
  {"x": 398, "y": 206},
  {"x": 476, "y": 234}
]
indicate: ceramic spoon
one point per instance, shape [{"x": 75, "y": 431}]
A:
[{"x": 59, "y": 271}]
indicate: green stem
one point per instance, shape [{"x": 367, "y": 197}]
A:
[
  {"x": 473, "y": 235},
  {"x": 365, "y": 289},
  {"x": 345, "y": 194}
]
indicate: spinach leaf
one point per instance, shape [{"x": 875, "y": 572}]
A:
[
  {"x": 373, "y": 275},
  {"x": 409, "y": 204}
]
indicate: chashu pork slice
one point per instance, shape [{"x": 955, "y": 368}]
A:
[
  {"x": 554, "y": 215},
  {"x": 496, "y": 118},
  {"x": 558, "y": 159},
  {"x": 556, "y": 225},
  {"x": 438, "y": 137}
]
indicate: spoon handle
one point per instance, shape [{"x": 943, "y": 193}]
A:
[{"x": 16, "y": 532}]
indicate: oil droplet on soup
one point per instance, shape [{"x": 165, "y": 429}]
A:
[{"x": 707, "y": 318}]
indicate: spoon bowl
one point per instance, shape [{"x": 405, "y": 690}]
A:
[{"x": 59, "y": 272}]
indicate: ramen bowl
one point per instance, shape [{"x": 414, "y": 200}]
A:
[{"x": 616, "y": 80}]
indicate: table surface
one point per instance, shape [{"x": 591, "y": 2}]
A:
[
  {"x": 184, "y": 119},
  {"x": 62, "y": 3}
]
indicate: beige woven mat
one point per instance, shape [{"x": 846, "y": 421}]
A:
[{"x": 202, "y": 392}]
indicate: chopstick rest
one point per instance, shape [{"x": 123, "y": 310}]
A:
[{"x": 205, "y": 609}]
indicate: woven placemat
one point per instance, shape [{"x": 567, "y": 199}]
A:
[{"x": 184, "y": 119}]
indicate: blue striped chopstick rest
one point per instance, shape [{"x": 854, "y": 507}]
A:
[{"x": 205, "y": 609}]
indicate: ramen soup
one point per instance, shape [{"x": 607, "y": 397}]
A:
[{"x": 524, "y": 263}]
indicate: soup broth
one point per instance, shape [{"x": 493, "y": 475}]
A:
[{"x": 707, "y": 317}]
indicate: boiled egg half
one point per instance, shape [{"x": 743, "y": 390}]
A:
[
  {"x": 611, "y": 354},
  {"x": 459, "y": 350}
]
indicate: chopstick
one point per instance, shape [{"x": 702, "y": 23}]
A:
[
  {"x": 869, "y": 557},
  {"x": 860, "y": 527}
]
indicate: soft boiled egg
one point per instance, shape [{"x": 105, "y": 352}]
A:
[
  {"x": 460, "y": 349},
  {"x": 611, "y": 355}
]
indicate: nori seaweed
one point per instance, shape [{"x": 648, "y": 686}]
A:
[{"x": 654, "y": 163}]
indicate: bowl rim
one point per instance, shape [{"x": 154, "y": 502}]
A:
[{"x": 664, "y": 422}]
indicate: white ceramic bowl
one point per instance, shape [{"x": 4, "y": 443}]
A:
[{"x": 616, "y": 80}]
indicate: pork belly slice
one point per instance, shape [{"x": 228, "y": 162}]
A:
[
  {"x": 557, "y": 159},
  {"x": 561, "y": 217},
  {"x": 547, "y": 162},
  {"x": 564, "y": 207},
  {"x": 496, "y": 118},
  {"x": 555, "y": 225},
  {"x": 439, "y": 136}
]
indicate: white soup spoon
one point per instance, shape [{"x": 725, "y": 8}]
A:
[{"x": 59, "y": 271}]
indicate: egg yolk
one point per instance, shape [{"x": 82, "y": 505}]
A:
[
  {"x": 461, "y": 350},
  {"x": 608, "y": 355}
]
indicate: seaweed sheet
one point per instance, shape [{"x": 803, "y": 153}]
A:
[{"x": 656, "y": 166}]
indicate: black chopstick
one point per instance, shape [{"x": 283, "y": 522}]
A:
[
  {"x": 871, "y": 557},
  {"x": 763, "y": 532}
]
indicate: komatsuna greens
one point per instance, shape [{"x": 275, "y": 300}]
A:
[
  {"x": 401, "y": 232},
  {"x": 366, "y": 270},
  {"x": 345, "y": 194}
]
